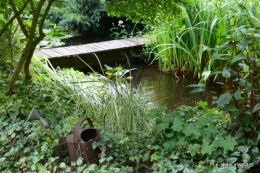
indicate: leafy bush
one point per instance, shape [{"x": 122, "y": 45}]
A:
[
  {"x": 79, "y": 16},
  {"x": 197, "y": 139}
]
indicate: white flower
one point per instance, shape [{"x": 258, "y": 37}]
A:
[{"x": 120, "y": 22}]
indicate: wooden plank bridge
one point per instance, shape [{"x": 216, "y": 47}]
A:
[{"x": 108, "y": 52}]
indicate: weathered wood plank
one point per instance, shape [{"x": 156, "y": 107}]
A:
[
  {"x": 132, "y": 41},
  {"x": 87, "y": 48},
  {"x": 50, "y": 52},
  {"x": 91, "y": 48},
  {"x": 65, "y": 51},
  {"x": 39, "y": 53}
]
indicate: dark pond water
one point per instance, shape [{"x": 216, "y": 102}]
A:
[{"x": 166, "y": 90}]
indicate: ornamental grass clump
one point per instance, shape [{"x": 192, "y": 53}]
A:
[{"x": 114, "y": 104}]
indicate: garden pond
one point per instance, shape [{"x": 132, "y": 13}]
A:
[{"x": 167, "y": 90}]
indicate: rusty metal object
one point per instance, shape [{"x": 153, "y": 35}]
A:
[
  {"x": 34, "y": 115},
  {"x": 80, "y": 141}
]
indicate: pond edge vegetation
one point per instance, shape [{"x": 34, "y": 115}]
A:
[{"x": 189, "y": 139}]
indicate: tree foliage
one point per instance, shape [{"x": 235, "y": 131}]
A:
[
  {"x": 80, "y": 16},
  {"x": 32, "y": 29},
  {"x": 147, "y": 12}
]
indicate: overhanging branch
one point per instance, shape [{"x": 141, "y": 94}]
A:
[{"x": 14, "y": 17}]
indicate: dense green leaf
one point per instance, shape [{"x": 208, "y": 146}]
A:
[
  {"x": 224, "y": 99},
  {"x": 226, "y": 73},
  {"x": 193, "y": 149},
  {"x": 237, "y": 95},
  {"x": 230, "y": 108},
  {"x": 199, "y": 85},
  {"x": 246, "y": 158},
  {"x": 229, "y": 143},
  {"x": 206, "y": 148},
  {"x": 232, "y": 160},
  {"x": 197, "y": 90},
  {"x": 210, "y": 131},
  {"x": 255, "y": 150},
  {"x": 177, "y": 124},
  {"x": 238, "y": 58},
  {"x": 236, "y": 153},
  {"x": 256, "y": 108},
  {"x": 192, "y": 131},
  {"x": 161, "y": 127},
  {"x": 216, "y": 56}
]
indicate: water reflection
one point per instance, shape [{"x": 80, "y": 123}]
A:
[{"x": 167, "y": 90}]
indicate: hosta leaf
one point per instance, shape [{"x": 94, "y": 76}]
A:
[
  {"x": 224, "y": 99},
  {"x": 256, "y": 108}
]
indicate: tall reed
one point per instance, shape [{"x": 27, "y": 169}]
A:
[
  {"x": 187, "y": 44},
  {"x": 112, "y": 104}
]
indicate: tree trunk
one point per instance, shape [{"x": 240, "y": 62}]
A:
[
  {"x": 27, "y": 75},
  {"x": 31, "y": 44},
  {"x": 24, "y": 56}
]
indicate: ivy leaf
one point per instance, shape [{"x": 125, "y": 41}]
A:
[
  {"x": 258, "y": 137},
  {"x": 236, "y": 153},
  {"x": 193, "y": 148},
  {"x": 177, "y": 125},
  {"x": 254, "y": 150},
  {"x": 224, "y": 99},
  {"x": 256, "y": 108},
  {"x": 246, "y": 158},
  {"x": 62, "y": 165},
  {"x": 232, "y": 160},
  {"x": 207, "y": 149}
]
